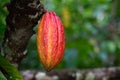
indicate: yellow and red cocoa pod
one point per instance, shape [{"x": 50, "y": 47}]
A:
[{"x": 50, "y": 40}]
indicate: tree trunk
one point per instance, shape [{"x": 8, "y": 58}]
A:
[{"x": 23, "y": 16}]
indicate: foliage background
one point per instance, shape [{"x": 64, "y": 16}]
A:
[{"x": 88, "y": 43}]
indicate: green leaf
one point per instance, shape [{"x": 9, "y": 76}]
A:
[
  {"x": 13, "y": 73},
  {"x": 118, "y": 9},
  {"x": 2, "y": 77}
]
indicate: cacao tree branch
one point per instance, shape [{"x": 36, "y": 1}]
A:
[
  {"x": 112, "y": 73},
  {"x": 23, "y": 16}
]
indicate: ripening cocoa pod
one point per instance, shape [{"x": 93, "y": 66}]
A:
[{"x": 50, "y": 40}]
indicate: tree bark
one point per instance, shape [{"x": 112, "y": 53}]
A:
[
  {"x": 23, "y": 16},
  {"x": 112, "y": 73}
]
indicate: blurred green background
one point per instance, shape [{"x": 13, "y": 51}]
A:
[{"x": 88, "y": 43}]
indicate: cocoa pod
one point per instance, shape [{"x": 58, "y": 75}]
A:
[{"x": 50, "y": 40}]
